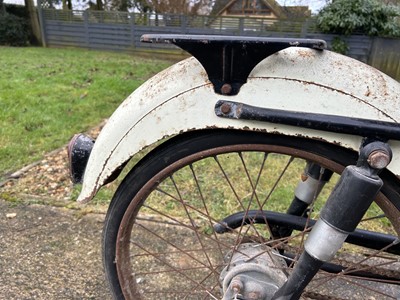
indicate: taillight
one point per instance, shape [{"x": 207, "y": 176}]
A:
[{"x": 79, "y": 149}]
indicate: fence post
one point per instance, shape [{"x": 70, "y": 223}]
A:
[
  {"x": 86, "y": 24},
  {"x": 41, "y": 23},
  {"x": 241, "y": 26},
  {"x": 304, "y": 28},
  {"x": 183, "y": 19},
  {"x": 132, "y": 28}
]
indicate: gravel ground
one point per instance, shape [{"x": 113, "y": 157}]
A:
[
  {"x": 52, "y": 250},
  {"x": 50, "y": 253}
]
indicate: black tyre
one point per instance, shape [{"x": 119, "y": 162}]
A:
[{"x": 159, "y": 241}]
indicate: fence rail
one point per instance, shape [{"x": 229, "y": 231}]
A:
[{"x": 121, "y": 31}]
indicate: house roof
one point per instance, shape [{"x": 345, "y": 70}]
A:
[
  {"x": 221, "y": 5},
  {"x": 297, "y": 11}
]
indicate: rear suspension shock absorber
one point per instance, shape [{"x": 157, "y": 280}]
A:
[{"x": 344, "y": 209}]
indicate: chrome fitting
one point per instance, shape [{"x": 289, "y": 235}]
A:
[{"x": 324, "y": 241}]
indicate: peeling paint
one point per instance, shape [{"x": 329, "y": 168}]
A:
[{"x": 181, "y": 99}]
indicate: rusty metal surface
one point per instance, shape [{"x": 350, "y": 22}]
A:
[
  {"x": 353, "y": 291},
  {"x": 228, "y": 60},
  {"x": 296, "y": 79}
]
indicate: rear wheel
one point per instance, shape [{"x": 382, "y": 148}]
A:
[{"x": 160, "y": 240}]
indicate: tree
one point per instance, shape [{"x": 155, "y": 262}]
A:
[
  {"x": 2, "y": 8},
  {"x": 99, "y": 5},
  {"x": 391, "y": 2},
  {"x": 142, "y": 6},
  {"x": 191, "y": 7},
  {"x": 66, "y": 4},
  {"x": 34, "y": 22},
  {"x": 14, "y": 30},
  {"x": 371, "y": 17}
]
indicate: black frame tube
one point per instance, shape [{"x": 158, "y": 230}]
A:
[
  {"x": 323, "y": 122},
  {"x": 360, "y": 237}
]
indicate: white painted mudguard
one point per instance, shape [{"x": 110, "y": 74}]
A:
[{"x": 181, "y": 99}]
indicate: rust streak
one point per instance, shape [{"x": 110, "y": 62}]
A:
[{"x": 97, "y": 184}]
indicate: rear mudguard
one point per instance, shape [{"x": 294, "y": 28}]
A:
[{"x": 181, "y": 98}]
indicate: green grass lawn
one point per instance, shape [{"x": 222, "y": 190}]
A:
[{"x": 47, "y": 95}]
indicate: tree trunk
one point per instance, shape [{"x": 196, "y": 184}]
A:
[
  {"x": 123, "y": 5},
  {"x": 66, "y": 4},
  {"x": 34, "y": 21},
  {"x": 2, "y": 8},
  {"x": 99, "y": 5}
]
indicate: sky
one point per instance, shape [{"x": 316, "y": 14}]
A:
[{"x": 315, "y": 5}]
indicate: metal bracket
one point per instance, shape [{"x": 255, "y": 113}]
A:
[{"x": 228, "y": 60}]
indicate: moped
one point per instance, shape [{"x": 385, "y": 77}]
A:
[{"x": 274, "y": 175}]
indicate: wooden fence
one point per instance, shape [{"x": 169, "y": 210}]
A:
[
  {"x": 385, "y": 56},
  {"x": 121, "y": 31}
]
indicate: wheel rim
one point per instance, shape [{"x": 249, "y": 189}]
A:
[{"x": 173, "y": 253}]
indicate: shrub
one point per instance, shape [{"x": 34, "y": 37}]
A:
[
  {"x": 13, "y": 30},
  {"x": 17, "y": 10},
  {"x": 371, "y": 17},
  {"x": 339, "y": 46}
]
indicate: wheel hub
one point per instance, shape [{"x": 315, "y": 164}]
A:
[{"x": 253, "y": 272}]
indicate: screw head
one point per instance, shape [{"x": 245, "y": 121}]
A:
[
  {"x": 226, "y": 89},
  {"x": 225, "y": 108},
  {"x": 378, "y": 159}
]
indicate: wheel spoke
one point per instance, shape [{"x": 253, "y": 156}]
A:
[
  {"x": 166, "y": 246},
  {"x": 277, "y": 181},
  {"x": 207, "y": 213},
  {"x": 179, "y": 223},
  {"x": 170, "y": 266},
  {"x": 192, "y": 223},
  {"x": 238, "y": 239},
  {"x": 170, "y": 244},
  {"x": 361, "y": 283},
  {"x": 254, "y": 188},
  {"x": 202, "y": 281},
  {"x": 374, "y": 254}
]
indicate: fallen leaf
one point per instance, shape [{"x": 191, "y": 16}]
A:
[{"x": 11, "y": 215}]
